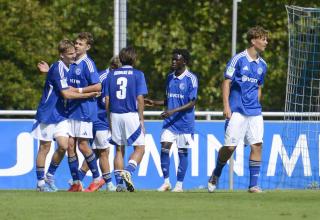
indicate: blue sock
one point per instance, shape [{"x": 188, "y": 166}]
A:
[
  {"x": 107, "y": 177},
  {"x": 52, "y": 168},
  {"x": 40, "y": 173},
  {"x": 73, "y": 166},
  {"x": 219, "y": 166},
  {"x": 165, "y": 162},
  {"x": 92, "y": 164},
  {"x": 183, "y": 163},
  {"x": 82, "y": 174},
  {"x": 119, "y": 179},
  {"x": 254, "y": 168},
  {"x": 131, "y": 167}
]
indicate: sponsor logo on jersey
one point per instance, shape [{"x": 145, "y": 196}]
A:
[
  {"x": 248, "y": 79},
  {"x": 173, "y": 95}
]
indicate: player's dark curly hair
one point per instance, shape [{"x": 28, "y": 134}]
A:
[
  {"x": 184, "y": 53},
  {"x": 256, "y": 32}
]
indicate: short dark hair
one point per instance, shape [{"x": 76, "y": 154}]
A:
[
  {"x": 128, "y": 56},
  {"x": 65, "y": 45},
  {"x": 86, "y": 36},
  {"x": 256, "y": 33},
  {"x": 184, "y": 53}
]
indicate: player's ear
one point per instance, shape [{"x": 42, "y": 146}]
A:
[{"x": 88, "y": 47}]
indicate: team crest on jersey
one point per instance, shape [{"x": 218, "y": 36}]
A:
[
  {"x": 182, "y": 86},
  {"x": 78, "y": 71},
  {"x": 260, "y": 70}
]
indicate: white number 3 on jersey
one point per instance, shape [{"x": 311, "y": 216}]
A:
[{"x": 122, "y": 82}]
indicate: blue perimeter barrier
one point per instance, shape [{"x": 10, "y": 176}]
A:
[{"x": 280, "y": 162}]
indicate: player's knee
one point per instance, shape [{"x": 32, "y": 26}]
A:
[{"x": 44, "y": 147}]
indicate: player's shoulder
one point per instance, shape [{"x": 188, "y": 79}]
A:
[
  {"x": 87, "y": 61},
  {"x": 192, "y": 78},
  {"x": 264, "y": 63},
  {"x": 58, "y": 67},
  {"x": 103, "y": 74},
  {"x": 236, "y": 58}
]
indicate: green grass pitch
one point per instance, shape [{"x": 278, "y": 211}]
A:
[{"x": 237, "y": 205}]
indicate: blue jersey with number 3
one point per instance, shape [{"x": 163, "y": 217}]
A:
[{"x": 123, "y": 86}]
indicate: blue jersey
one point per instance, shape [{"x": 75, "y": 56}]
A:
[
  {"x": 102, "y": 123},
  {"x": 123, "y": 86},
  {"x": 180, "y": 91},
  {"x": 83, "y": 73},
  {"x": 51, "y": 109},
  {"x": 246, "y": 76}
]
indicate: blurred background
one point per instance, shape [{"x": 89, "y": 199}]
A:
[{"x": 30, "y": 31}]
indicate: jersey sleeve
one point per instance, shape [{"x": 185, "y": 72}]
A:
[
  {"x": 58, "y": 77},
  {"x": 91, "y": 72},
  {"x": 193, "y": 94},
  {"x": 261, "y": 80},
  {"x": 141, "y": 84},
  {"x": 105, "y": 85},
  {"x": 232, "y": 68}
]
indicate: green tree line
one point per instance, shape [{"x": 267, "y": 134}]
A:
[{"x": 30, "y": 31}]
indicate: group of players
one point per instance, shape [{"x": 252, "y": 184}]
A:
[{"x": 81, "y": 107}]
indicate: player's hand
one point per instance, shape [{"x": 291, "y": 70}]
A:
[
  {"x": 43, "y": 66},
  {"x": 142, "y": 127},
  {"x": 98, "y": 94},
  {"x": 166, "y": 114},
  {"x": 227, "y": 112},
  {"x": 148, "y": 102}
]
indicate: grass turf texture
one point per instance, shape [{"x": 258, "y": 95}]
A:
[{"x": 23, "y": 204}]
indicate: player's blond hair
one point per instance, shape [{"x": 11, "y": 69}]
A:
[{"x": 65, "y": 45}]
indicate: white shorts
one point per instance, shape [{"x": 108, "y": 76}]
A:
[
  {"x": 182, "y": 140},
  {"x": 246, "y": 128},
  {"x": 101, "y": 140},
  {"x": 48, "y": 132},
  {"x": 126, "y": 129},
  {"x": 80, "y": 129}
]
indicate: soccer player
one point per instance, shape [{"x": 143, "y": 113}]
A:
[
  {"x": 178, "y": 125},
  {"x": 51, "y": 118},
  {"x": 84, "y": 77},
  {"x": 124, "y": 90},
  {"x": 241, "y": 89},
  {"x": 101, "y": 132}
]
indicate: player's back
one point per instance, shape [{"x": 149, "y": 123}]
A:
[
  {"x": 51, "y": 108},
  {"x": 123, "y": 86}
]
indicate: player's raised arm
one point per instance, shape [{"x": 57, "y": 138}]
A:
[{"x": 43, "y": 66}]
